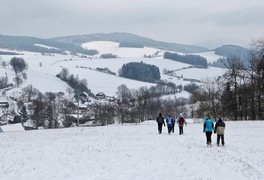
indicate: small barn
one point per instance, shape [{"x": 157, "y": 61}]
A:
[{"x": 4, "y": 102}]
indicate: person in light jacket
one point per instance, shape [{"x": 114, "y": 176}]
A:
[
  {"x": 170, "y": 122},
  {"x": 220, "y": 131},
  {"x": 208, "y": 128}
]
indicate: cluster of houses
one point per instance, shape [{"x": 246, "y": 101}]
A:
[
  {"x": 81, "y": 106},
  {"x": 4, "y": 105}
]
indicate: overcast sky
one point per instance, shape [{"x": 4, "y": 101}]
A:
[{"x": 203, "y": 22}]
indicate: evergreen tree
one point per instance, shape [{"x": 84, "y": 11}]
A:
[{"x": 227, "y": 101}]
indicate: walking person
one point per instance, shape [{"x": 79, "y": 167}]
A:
[
  {"x": 173, "y": 125},
  {"x": 160, "y": 121},
  {"x": 220, "y": 131},
  {"x": 181, "y": 121},
  {"x": 170, "y": 121},
  {"x": 208, "y": 128}
]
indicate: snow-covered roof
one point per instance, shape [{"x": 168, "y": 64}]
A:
[
  {"x": 3, "y": 99},
  {"x": 12, "y": 127}
]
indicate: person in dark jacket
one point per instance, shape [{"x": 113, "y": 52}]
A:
[
  {"x": 208, "y": 128},
  {"x": 220, "y": 131},
  {"x": 160, "y": 121}
]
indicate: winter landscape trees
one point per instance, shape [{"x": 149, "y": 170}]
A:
[{"x": 238, "y": 94}]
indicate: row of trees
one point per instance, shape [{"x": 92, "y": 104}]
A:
[
  {"x": 239, "y": 94},
  {"x": 74, "y": 82},
  {"x": 145, "y": 103},
  {"x": 195, "y": 60},
  {"x": 53, "y": 110}
]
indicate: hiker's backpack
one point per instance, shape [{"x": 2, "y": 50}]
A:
[
  {"x": 181, "y": 121},
  {"x": 169, "y": 121},
  {"x": 160, "y": 120}
]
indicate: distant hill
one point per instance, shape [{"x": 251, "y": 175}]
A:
[
  {"x": 73, "y": 44},
  {"x": 128, "y": 38},
  {"x": 228, "y": 51},
  {"x": 25, "y": 43},
  {"x": 231, "y": 50}
]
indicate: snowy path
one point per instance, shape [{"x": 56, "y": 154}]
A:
[{"x": 132, "y": 152}]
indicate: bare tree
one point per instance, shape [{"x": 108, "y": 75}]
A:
[
  {"x": 3, "y": 64},
  {"x": 30, "y": 92},
  {"x": 64, "y": 74},
  {"x": 123, "y": 93},
  {"x": 19, "y": 66}
]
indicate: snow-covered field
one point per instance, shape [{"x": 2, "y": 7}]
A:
[
  {"x": 43, "y": 69},
  {"x": 106, "y": 47},
  {"x": 132, "y": 152}
]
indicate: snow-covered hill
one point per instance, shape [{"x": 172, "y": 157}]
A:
[
  {"x": 43, "y": 69},
  {"x": 106, "y": 47},
  {"x": 132, "y": 152}
]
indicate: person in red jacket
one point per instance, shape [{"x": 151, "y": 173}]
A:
[{"x": 181, "y": 121}]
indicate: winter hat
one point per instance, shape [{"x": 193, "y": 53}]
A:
[{"x": 181, "y": 115}]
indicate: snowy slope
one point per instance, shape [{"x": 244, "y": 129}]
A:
[
  {"x": 42, "y": 69},
  {"x": 106, "y": 47},
  {"x": 210, "y": 56},
  {"x": 132, "y": 152}
]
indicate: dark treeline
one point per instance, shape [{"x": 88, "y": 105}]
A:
[
  {"x": 131, "y": 45},
  {"x": 107, "y": 56},
  {"x": 140, "y": 71},
  {"x": 195, "y": 60},
  {"x": 239, "y": 94}
]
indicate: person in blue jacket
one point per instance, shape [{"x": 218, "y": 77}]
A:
[
  {"x": 208, "y": 128},
  {"x": 170, "y": 122}
]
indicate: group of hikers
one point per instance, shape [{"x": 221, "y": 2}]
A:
[{"x": 208, "y": 127}]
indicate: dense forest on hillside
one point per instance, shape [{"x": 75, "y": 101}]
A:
[
  {"x": 140, "y": 71},
  {"x": 196, "y": 60}
]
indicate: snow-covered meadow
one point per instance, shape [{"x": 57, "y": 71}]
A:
[
  {"x": 134, "y": 151},
  {"x": 43, "y": 69}
]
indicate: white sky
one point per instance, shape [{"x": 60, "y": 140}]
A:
[{"x": 203, "y": 22}]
